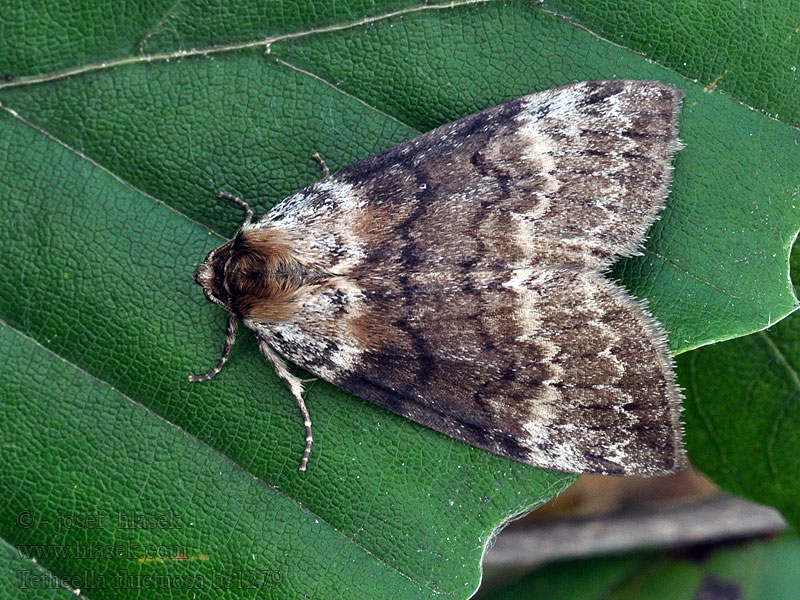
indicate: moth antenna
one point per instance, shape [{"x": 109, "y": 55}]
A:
[
  {"x": 230, "y": 337},
  {"x": 295, "y": 385},
  {"x": 241, "y": 203},
  {"x": 325, "y": 170}
]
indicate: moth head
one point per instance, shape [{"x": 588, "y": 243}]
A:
[
  {"x": 254, "y": 276},
  {"x": 211, "y": 275}
]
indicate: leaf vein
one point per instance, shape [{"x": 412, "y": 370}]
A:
[{"x": 265, "y": 43}]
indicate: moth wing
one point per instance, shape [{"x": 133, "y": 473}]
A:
[
  {"x": 463, "y": 284},
  {"x": 558, "y": 368},
  {"x": 573, "y": 176}
]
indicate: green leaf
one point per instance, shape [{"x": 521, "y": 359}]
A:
[
  {"x": 747, "y": 50},
  {"x": 118, "y": 127},
  {"x": 758, "y": 570},
  {"x": 742, "y": 412}
]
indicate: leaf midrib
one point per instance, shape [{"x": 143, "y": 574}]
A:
[{"x": 266, "y": 43}]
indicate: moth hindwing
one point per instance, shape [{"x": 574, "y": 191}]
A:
[{"x": 457, "y": 280}]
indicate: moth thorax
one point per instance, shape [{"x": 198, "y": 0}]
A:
[{"x": 262, "y": 276}]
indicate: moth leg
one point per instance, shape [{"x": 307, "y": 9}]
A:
[
  {"x": 241, "y": 203},
  {"x": 295, "y": 385},
  {"x": 230, "y": 338},
  {"x": 325, "y": 170}
]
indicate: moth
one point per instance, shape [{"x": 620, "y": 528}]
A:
[{"x": 457, "y": 279}]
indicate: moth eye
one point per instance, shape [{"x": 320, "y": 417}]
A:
[{"x": 205, "y": 276}]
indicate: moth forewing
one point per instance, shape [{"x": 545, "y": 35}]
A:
[{"x": 457, "y": 280}]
